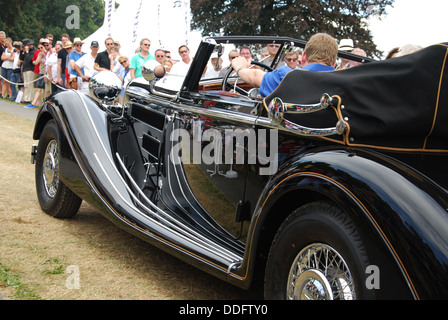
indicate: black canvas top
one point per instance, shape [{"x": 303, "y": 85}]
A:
[{"x": 397, "y": 103}]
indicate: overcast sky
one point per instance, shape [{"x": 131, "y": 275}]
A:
[{"x": 420, "y": 22}]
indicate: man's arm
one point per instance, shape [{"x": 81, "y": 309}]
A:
[
  {"x": 98, "y": 60},
  {"x": 59, "y": 68},
  {"x": 249, "y": 76}
]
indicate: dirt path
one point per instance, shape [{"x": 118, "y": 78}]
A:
[{"x": 109, "y": 263}]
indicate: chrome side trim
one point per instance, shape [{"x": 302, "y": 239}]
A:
[
  {"x": 190, "y": 109},
  {"x": 324, "y": 103},
  {"x": 277, "y": 110},
  {"x": 183, "y": 234},
  {"x": 199, "y": 239}
]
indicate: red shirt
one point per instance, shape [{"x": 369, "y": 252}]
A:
[{"x": 36, "y": 67}]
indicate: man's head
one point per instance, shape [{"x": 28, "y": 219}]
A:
[
  {"x": 184, "y": 53},
  {"x": 109, "y": 42},
  {"x": 77, "y": 44},
  {"x": 94, "y": 47},
  {"x": 65, "y": 38},
  {"x": 167, "y": 54},
  {"x": 246, "y": 53},
  {"x": 2, "y": 36},
  {"x": 291, "y": 59},
  {"x": 273, "y": 49},
  {"x": 160, "y": 55},
  {"x": 359, "y": 52},
  {"x": 321, "y": 48},
  {"x": 145, "y": 44},
  {"x": 58, "y": 47}
]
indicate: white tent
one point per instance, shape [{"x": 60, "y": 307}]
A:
[{"x": 165, "y": 22}]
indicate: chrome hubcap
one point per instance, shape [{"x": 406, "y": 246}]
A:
[
  {"x": 320, "y": 273},
  {"x": 50, "y": 167}
]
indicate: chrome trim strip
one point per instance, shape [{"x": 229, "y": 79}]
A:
[
  {"x": 190, "y": 109},
  {"x": 181, "y": 186},
  {"x": 230, "y": 259},
  {"x": 201, "y": 242},
  {"x": 292, "y": 108}
]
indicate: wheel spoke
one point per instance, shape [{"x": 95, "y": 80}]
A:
[
  {"x": 320, "y": 272},
  {"x": 50, "y": 169}
]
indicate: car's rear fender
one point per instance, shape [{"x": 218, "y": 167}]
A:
[{"x": 400, "y": 214}]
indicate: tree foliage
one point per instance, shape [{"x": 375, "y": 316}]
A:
[
  {"x": 35, "y": 19},
  {"x": 295, "y": 18}
]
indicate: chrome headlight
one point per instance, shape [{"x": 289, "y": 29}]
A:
[{"x": 105, "y": 86}]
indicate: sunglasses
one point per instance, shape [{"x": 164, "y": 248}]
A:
[
  {"x": 123, "y": 61},
  {"x": 184, "y": 51},
  {"x": 231, "y": 58},
  {"x": 291, "y": 59}
]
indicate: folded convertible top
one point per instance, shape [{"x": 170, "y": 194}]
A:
[{"x": 400, "y": 103}]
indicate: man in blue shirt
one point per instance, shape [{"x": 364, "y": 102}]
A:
[{"x": 320, "y": 54}]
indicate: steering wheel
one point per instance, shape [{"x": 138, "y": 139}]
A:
[{"x": 225, "y": 79}]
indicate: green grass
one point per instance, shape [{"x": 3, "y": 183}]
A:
[
  {"x": 54, "y": 265},
  {"x": 9, "y": 279}
]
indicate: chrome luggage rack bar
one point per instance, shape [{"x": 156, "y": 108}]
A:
[{"x": 277, "y": 110}]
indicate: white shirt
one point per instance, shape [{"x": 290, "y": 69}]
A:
[
  {"x": 7, "y": 64},
  {"x": 15, "y": 65},
  {"x": 211, "y": 72},
  {"x": 52, "y": 61},
  {"x": 87, "y": 62},
  {"x": 181, "y": 68}
]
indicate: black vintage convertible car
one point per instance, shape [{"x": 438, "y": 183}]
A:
[{"x": 331, "y": 187}]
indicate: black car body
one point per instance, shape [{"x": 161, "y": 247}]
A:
[{"x": 343, "y": 197}]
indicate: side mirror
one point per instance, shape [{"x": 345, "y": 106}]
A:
[
  {"x": 105, "y": 86},
  {"x": 152, "y": 71}
]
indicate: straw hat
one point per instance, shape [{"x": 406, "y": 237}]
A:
[{"x": 77, "y": 40}]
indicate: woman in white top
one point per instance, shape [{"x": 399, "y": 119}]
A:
[
  {"x": 16, "y": 71},
  {"x": 8, "y": 61}
]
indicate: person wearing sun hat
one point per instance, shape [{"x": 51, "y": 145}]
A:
[
  {"x": 347, "y": 46},
  {"x": 72, "y": 58}
]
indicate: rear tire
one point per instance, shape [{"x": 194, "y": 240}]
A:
[
  {"x": 55, "y": 198},
  {"x": 317, "y": 254}
]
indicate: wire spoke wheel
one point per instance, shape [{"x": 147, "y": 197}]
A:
[
  {"x": 320, "y": 273},
  {"x": 50, "y": 171},
  {"x": 317, "y": 254},
  {"x": 55, "y": 198}
]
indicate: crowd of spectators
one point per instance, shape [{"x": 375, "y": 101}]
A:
[{"x": 31, "y": 72}]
